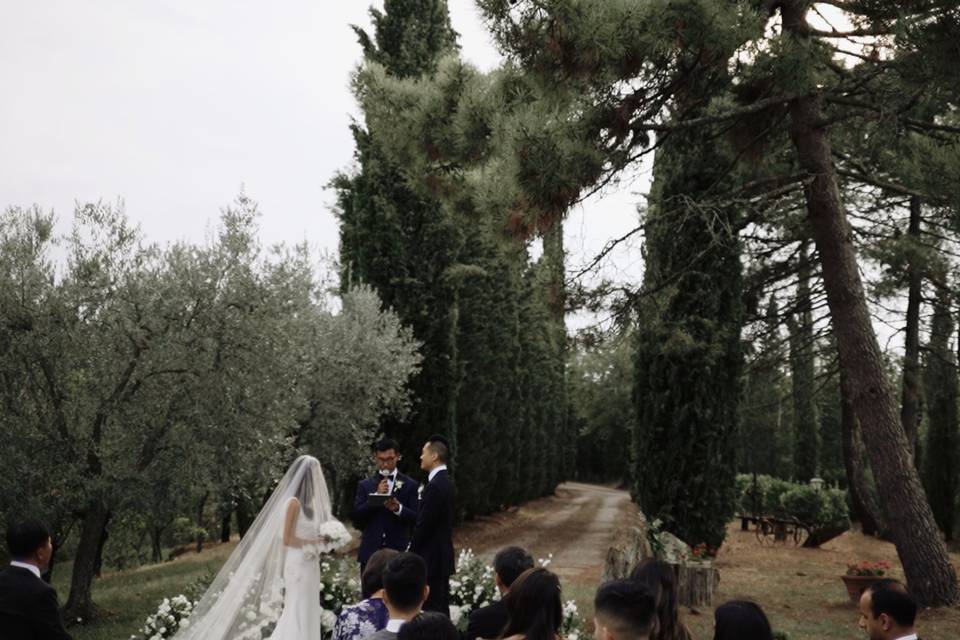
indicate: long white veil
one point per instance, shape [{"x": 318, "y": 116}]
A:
[{"x": 246, "y": 597}]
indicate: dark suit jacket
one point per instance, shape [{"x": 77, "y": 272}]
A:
[
  {"x": 381, "y": 527},
  {"x": 28, "y": 607},
  {"x": 487, "y": 622},
  {"x": 433, "y": 536}
]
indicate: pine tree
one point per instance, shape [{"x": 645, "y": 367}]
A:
[{"x": 942, "y": 461}]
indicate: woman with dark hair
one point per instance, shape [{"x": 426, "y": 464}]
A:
[
  {"x": 369, "y": 615},
  {"x": 659, "y": 577},
  {"x": 534, "y": 606},
  {"x": 741, "y": 620}
]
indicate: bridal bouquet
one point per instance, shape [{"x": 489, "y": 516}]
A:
[{"x": 334, "y": 535}]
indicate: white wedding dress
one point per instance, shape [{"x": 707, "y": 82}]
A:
[
  {"x": 267, "y": 589},
  {"x": 300, "y": 619}
]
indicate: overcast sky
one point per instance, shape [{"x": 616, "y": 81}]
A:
[{"x": 172, "y": 105}]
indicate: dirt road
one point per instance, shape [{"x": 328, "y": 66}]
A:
[{"x": 576, "y": 525}]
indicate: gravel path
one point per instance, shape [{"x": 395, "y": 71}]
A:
[{"x": 576, "y": 525}]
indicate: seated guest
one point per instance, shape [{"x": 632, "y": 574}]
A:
[
  {"x": 28, "y": 605},
  {"x": 489, "y": 621},
  {"x": 534, "y": 607},
  {"x": 624, "y": 610},
  {"x": 370, "y": 615},
  {"x": 429, "y": 625},
  {"x": 888, "y": 611},
  {"x": 660, "y": 579},
  {"x": 741, "y": 620},
  {"x": 405, "y": 590}
]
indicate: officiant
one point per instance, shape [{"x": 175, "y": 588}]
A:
[{"x": 385, "y": 523}]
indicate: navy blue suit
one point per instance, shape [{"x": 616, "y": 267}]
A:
[{"x": 381, "y": 527}]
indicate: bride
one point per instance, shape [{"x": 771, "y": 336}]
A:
[{"x": 270, "y": 584}]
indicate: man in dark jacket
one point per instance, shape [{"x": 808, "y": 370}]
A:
[
  {"x": 28, "y": 605},
  {"x": 433, "y": 535},
  {"x": 385, "y": 525},
  {"x": 489, "y": 621}
]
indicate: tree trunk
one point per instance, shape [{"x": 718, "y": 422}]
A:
[
  {"x": 910, "y": 398},
  {"x": 80, "y": 603},
  {"x": 910, "y": 522},
  {"x": 103, "y": 542},
  {"x": 156, "y": 534},
  {"x": 200, "y": 529},
  {"x": 225, "y": 527},
  {"x": 244, "y": 518},
  {"x": 865, "y": 508}
]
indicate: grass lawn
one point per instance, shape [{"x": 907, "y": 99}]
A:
[
  {"x": 128, "y": 597},
  {"x": 801, "y": 591}
]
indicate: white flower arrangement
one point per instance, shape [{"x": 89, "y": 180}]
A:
[
  {"x": 572, "y": 627},
  {"x": 171, "y": 615},
  {"x": 472, "y": 586}
]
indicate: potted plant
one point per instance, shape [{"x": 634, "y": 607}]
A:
[{"x": 861, "y": 575}]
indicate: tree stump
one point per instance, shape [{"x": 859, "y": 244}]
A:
[{"x": 696, "y": 583}]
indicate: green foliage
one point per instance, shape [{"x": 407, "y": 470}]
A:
[
  {"x": 493, "y": 342},
  {"x": 765, "y": 443},
  {"x": 803, "y": 379},
  {"x": 601, "y": 381},
  {"x": 166, "y": 384},
  {"x": 819, "y": 509},
  {"x": 942, "y": 460}
]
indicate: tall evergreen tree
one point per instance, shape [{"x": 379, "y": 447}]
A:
[
  {"x": 765, "y": 425},
  {"x": 942, "y": 460},
  {"x": 688, "y": 358},
  {"x": 806, "y": 456},
  {"x": 405, "y": 243}
]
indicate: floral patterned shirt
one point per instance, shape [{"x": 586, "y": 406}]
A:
[{"x": 361, "y": 620}]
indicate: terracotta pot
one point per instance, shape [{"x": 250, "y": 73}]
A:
[{"x": 856, "y": 585}]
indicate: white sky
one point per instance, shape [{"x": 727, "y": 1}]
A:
[{"x": 172, "y": 105}]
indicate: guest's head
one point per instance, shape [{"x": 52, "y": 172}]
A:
[
  {"x": 386, "y": 455},
  {"x": 534, "y": 606},
  {"x": 371, "y": 581},
  {"x": 887, "y": 610},
  {"x": 625, "y": 610},
  {"x": 435, "y": 452},
  {"x": 661, "y": 580},
  {"x": 30, "y": 541},
  {"x": 405, "y": 585},
  {"x": 508, "y": 564},
  {"x": 741, "y": 620},
  {"x": 429, "y": 625}
]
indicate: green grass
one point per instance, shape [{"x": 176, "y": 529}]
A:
[{"x": 128, "y": 597}]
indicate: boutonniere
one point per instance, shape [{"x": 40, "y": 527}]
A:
[
  {"x": 420, "y": 492},
  {"x": 398, "y": 485}
]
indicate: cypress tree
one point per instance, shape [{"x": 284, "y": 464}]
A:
[
  {"x": 401, "y": 242},
  {"x": 688, "y": 357},
  {"x": 942, "y": 467},
  {"x": 765, "y": 436},
  {"x": 806, "y": 458}
]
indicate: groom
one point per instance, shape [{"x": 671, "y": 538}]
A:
[
  {"x": 387, "y": 526},
  {"x": 433, "y": 534}
]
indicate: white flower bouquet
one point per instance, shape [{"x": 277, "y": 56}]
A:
[{"x": 334, "y": 535}]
